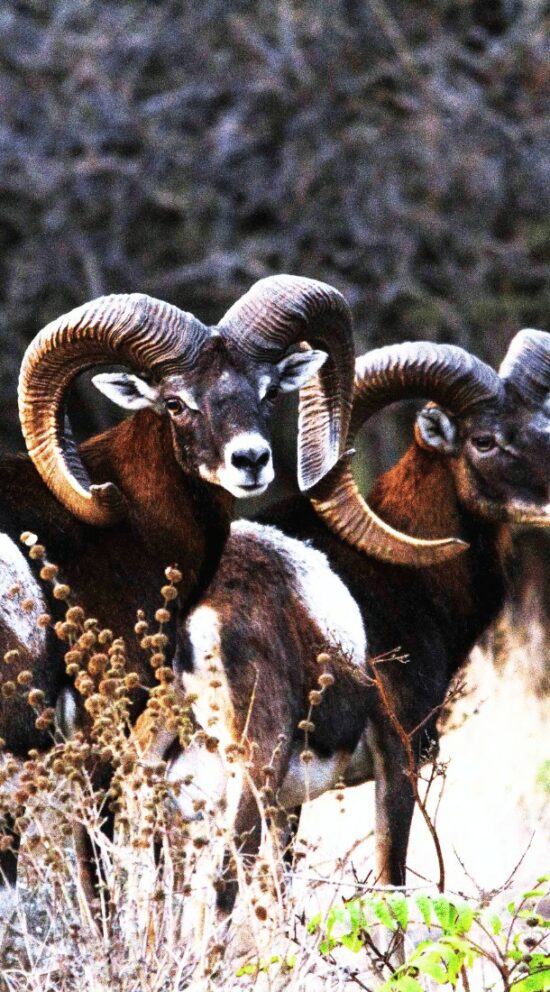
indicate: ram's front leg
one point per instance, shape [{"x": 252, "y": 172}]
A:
[{"x": 394, "y": 797}]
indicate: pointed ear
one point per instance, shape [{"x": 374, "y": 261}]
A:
[
  {"x": 127, "y": 391},
  {"x": 434, "y": 430},
  {"x": 296, "y": 369}
]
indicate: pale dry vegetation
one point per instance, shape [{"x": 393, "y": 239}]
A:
[{"x": 152, "y": 924}]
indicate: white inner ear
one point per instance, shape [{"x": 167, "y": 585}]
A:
[
  {"x": 436, "y": 429},
  {"x": 296, "y": 369},
  {"x": 126, "y": 390}
]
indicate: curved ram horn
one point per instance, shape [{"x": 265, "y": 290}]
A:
[
  {"x": 444, "y": 373},
  {"x": 128, "y": 329},
  {"x": 527, "y": 365},
  {"x": 280, "y": 311}
]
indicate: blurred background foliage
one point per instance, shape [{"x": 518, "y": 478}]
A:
[{"x": 399, "y": 150}]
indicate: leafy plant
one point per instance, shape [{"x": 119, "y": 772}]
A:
[{"x": 514, "y": 942}]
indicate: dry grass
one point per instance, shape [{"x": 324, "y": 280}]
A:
[{"x": 153, "y": 925}]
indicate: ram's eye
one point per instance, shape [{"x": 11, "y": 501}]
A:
[
  {"x": 483, "y": 442},
  {"x": 271, "y": 392},
  {"x": 173, "y": 405}
]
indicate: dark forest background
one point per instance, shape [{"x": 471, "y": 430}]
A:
[{"x": 399, "y": 150}]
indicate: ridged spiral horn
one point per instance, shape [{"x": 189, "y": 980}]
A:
[
  {"x": 283, "y": 310},
  {"x": 527, "y": 365},
  {"x": 127, "y": 329},
  {"x": 445, "y": 374}
]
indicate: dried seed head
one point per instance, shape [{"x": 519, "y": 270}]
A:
[
  {"x": 131, "y": 681},
  {"x": 27, "y": 605},
  {"x": 84, "y": 683},
  {"x": 8, "y": 689},
  {"x": 11, "y": 656},
  {"x": 157, "y": 659},
  {"x": 97, "y": 664},
  {"x": 325, "y": 680},
  {"x": 73, "y": 657},
  {"x": 141, "y": 627},
  {"x": 24, "y": 678},
  {"x": 91, "y": 624},
  {"x": 59, "y": 628},
  {"x": 43, "y": 620},
  {"x": 315, "y": 697},
  {"x": 173, "y": 574},
  {"x": 323, "y": 658},
  {"x": 105, "y": 636},
  {"x": 169, "y": 592},
  {"x": 87, "y": 640},
  {"x": 306, "y": 757},
  {"x": 48, "y": 572},
  {"x": 75, "y": 614},
  {"x": 164, "y": 674},
  {"x": 66, "y": 630},
  {"x": 61, "y": 591},
  {"x": 37, "y": 551},
  {"x": 108, "y": 687},
  {"x": 28, "y": 538},
  {"x": 162, "y": 615},
  {"x": 307, "y": 726},
  {"x": 159, "y": 640}
]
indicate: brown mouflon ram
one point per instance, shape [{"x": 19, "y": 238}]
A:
[
  {"x": 298, "y": 582},
  {"x": 159, "y": 488}
]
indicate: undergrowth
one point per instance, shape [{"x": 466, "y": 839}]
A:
[{"x": 148, "y": 920}]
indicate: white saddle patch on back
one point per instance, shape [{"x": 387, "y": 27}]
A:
[
  {"x": 322, "y": 593},
  {"x": 20, "y": 620}
]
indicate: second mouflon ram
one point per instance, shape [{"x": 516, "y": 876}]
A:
[{"x": 292, "y": 585}]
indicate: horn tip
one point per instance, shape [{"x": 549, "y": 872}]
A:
[{"x": 109, "y": 501}]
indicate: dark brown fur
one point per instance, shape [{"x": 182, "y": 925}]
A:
[{"x": 173, "y": 518}]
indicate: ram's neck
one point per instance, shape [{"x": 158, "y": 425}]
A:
[
  {"x": 181, "y": 518},
  {"x": 418, "y": 496}
]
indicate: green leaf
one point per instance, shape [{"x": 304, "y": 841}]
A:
[
  {"x": 400, "y": 909},
  {"x": 425, "y": 906},
  {"x": 405, "y": 983},
  {"x": 430, "y": 964},
  {"x": 539, "y": 982},
  {"x": 352, "y": 941},
  {"x": 443, "y": 909},
  {"x": 383, "y": 914},
  {"x": 542, "y": 879},
  {"x": 465, "y": 918},
  {"x": 496, "y": 924},
  {"x": 534, "y": 893},
  {"x": 314, "y": 922},
  {"x": 356, "y": 914}
]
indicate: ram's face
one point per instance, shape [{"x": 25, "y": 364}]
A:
[
  {"x": 220, "y": 413},
  {"x": 500, "y": 458}
]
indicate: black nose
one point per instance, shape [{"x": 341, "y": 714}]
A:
[{"x": 251, "y": 458}]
